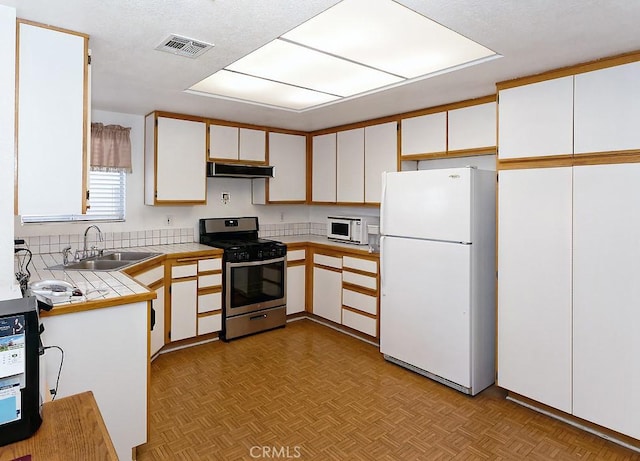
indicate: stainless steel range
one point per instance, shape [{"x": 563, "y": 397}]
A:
[{"x": 254, "y": 276}]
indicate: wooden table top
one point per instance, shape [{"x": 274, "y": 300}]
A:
[{"x": 72, "y": 429}]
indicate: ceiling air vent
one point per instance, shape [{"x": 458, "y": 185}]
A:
[{"x": 184, "y": 46}]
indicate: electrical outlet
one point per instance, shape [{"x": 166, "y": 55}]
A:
[
  {"x": 225, "y": 197},
  {"x": 281, "y": 216},
  {"x": 169, "y": 220}
]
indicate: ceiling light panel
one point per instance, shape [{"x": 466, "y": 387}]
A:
[
  {"x": 252, "y": 89},
  {"x": 388, "y": 36},
  {"x": 298, "y": 65}
]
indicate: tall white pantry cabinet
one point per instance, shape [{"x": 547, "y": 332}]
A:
[{"x": 569, "y": 246}]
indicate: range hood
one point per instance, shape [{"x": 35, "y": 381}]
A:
[{"x": 234, "y": 170}]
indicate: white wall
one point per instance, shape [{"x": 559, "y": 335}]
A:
[
  {"x": 8, "y": 289},
  {"x": 143, "y": 217}
]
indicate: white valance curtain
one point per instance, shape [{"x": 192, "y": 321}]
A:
[{"x": 110, "y": 148}]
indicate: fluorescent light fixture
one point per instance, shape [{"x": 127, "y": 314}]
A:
[
  {"x": 300, "y": 66},
  {"x": 231, "y": 85},
  {"x": 354, "y": 48}
]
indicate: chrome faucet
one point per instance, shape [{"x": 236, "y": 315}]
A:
[{"x": 85, "y": 252}]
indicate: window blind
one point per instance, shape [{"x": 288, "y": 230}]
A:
[{"x": 107, "y": 191}]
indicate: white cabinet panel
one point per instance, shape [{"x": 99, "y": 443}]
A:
[
  {"x": 323, "y": 180},
  {"x": 223, "y": 142},
  {"x": 213, "y": 264},
  {"x": 288, "y": 154},
  {"x": 536, "y": 120},
  {"x": 325, "y": 260},
  {"x": 252, "y": 145},
  {"x": 606, "y": 368},
  {"x": 210, "y": 280},
  {"x": 50, "y": 121},
  {"x": 186, "y": 270},
  {"x": 184, "y": 296},
  {"x": 359, "y": 322},
  {"x": 607, "y": 113},
  {"x": 350, "y": 166},
  {"x": 365, "y": 265},
  {"x": 380, "y": 155},
  {"x": 181, "y": 157},
  {"x": 157, "y": 334},
  {"x": 360, "y": 301},
  {"x": 360, "y": 280},
  {"x": 425, "y": 134},
  {"x": 296, "y": 255},
  {"x": 327, "y": 294},
  {"x": 209, "y": 324},
  {"x": 150, "y": 276},
  {"x": 534, "y": 289},
  {"x": 472, "y": 127},
  {"x": 296, "y": 289},
  {"x": 209, "y": 302}
]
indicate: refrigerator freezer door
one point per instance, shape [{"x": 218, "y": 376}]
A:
[
  {"x": 428, "y": 204},
  {"x": 425, "y": 306}
]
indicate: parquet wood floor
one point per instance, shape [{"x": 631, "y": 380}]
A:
[{"x": 308, "y": 392}]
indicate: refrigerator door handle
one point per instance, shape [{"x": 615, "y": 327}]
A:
[
  {"x": 382, "y": 266},
  {"x": 383, "y": 199}
]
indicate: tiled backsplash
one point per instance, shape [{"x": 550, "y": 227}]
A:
[{"x": 55, "y": 243}]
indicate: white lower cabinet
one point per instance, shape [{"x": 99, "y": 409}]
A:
[
  {"x": 568, "y": 266},
  {"x": 296, "y": 288},
  {"x": 606, "y": 296},
  {"x": 534, "y": 284},
  {"x": 184, "y": 299},
  {"x": 327, "y": 294}
]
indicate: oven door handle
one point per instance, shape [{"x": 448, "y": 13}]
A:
[{"x": 257, "y": 263}]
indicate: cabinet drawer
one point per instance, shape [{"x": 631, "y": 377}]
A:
[
  {"x": 330, "y": 261},
  {"x": 213, "y": 264},
  {"x": 364, "y": 281},
  {"x": 360, "y": 301},
  {"x": 209, "y": 302},
  {"x": 296, "y": 255},
  {"x": 150, "y": 276},
  {"x": 211, "y": 280},
  {"x": 365, "y": 265},
  {"x": 188, "y": 270},
  {"x": 209, "y": 324},
  {"x": 359, "y": 322}
]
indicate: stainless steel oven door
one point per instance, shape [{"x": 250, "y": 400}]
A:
[{"x": 255, "y": 285}]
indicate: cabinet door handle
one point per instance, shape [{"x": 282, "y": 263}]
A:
[{"x": 153, "y": 318}]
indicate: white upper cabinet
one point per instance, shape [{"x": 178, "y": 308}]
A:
[
  {"x": 252, "y": 145},
  {"x": 350, "y": 166},
  {"x": 380, "y": 155},
  {"x": 607, "y": 109},
  {"x": 51, "y": 118},
  {"x": 324, "y": 168},
  {"x": 536, "y": 120},
  {"x": 472, "y": 127},
  {"x": 179, "y": 164},
  {"x": 237, "y": 144},
  {"x": 223, "y": 142},
  {"x": 426, "y": 134},
  {"x": 288, "y": 154}
]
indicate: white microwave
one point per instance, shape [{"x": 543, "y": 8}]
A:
[{"x": 349, "y": 229}]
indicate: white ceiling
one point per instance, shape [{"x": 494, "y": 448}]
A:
[{"x": 129, "y": 76}]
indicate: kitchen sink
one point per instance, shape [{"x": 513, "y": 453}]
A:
[
  {"x": 107, "y": 262},
  {"x": 125, "y": 256}
]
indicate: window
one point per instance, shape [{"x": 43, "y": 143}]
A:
[
  {"x": 106, "y": 200},
  {"x": 107, "y": 195}
]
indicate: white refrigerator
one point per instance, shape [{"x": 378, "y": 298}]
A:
[{"x": 438, "y": 273}]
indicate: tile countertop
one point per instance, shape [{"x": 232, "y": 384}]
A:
[
  {"x": 107, "y": 288},
  {"x": 320, "y": 240}
]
